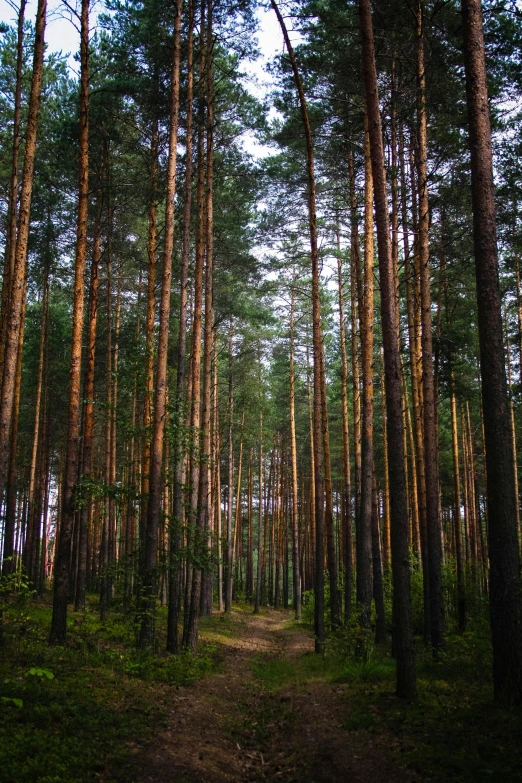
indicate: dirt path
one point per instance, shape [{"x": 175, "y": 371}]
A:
[{"x": 231, "y": 727}]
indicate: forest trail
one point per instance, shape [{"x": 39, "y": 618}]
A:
[{"x": 235, "y": 726}]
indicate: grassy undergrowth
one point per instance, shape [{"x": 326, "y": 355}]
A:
[
  {"x": 69, "y": 714},
  {"x": 453, "y": 732}
]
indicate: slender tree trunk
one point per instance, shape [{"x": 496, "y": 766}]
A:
[
  {"x": 229, "y": 553},
  {"x": 416, "y": 375},
  {"x": 10, "y": 243},
  {"x": 88, "y": 425},
  {"x": 17, "y": 283},
  {"x": 317, "y": 350},
  {"x": 32, "y": 557},
  {"x": 355, "y": 286},
  {"x": 154, "y": 502},
  {"x": 195, "y": 369},
  {"x": 505, "y": 593},
  {"x": 378, "y": 587},
  {"x": 202, "y": 519},
  {"x": 149, "y": 332},
  {"x": 249, "y": 591},
  {"x": 402, "y": 610},
  {"x": 293, "y": 458},
  {"x": 461, "y": 593},
  {"x": 12, "y": 471},
  {"x": 62, "y": 555},
  {"x": 260, "y": 506},
  {"x": 346, "y": 498},
  {"x": 363, "y": 539},
  {"x": 105, "y": 558},
  {"x": 431, "y": 466},
  {"x": 175, "y": 534},
  {"x": 512, "y": 420}
]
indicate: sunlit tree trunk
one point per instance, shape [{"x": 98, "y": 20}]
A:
[
  {"x": 177, "y": 503},
  {"x": 461, "y": 595},
  {"x": 10, "y": 240},
  {"x": 363, "y": 540},
  {"x": 229, "y": 541},
  {"x": 63, "y": 547},
  {"x": 202, "y": 518},
  {"x": 317, "y": 351},
  {"x": 33, "y": 515},
  {"x": 149, "y": 331},
  {"x": 346, "y": 498},
  {"x": 260, "y": 506},
  {"x": 402, "y": 610},
  {"x": 378, "y": 586},
  {"x": 18, "y": 276},
  {"x": 431, "y": 466},
  {"x": 154, "y": 501},
  {"x": 88, "y": 422},
  {"x": 293, "y": 459},
  {"x": 355, "y": 287}
]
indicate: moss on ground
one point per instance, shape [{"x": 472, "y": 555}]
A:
[{"x": 69, "y": 714}]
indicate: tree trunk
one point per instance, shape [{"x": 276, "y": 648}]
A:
[
  {"x": 62, "y": 555},
  {"x": 149, "y": 333},
  {"x": 402, "y": 611},
  {"x": 431, "y": 466},
  {"x": 317, "y": 351},
  {"x": 229, "y": 544},
  {"x": 355, "y": 285},
  {"x": 293, "y": 459},
  {"x": 363, "y": 540},
  {"x": 33, "y": 518},
  {"x": 88, "y": 425},
  {"x": 17, "y": 285},
  {"x": 10, "y": 240},
  {"x": 202, "y": 517},
  {"x": 260, "y": 506},
  {"x": 378, "y": 587},
  {"x": 346, "y": 497},
  {"x": 505, "y": 595},
  {"x": 154, "y": 501},
  {"x": 175, "y": 532},
  {"x": 461, "y": 594}
]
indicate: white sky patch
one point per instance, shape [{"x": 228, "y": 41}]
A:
[
  {"x": 60, "y": 33},
  {"x": 259, "y": 82}
]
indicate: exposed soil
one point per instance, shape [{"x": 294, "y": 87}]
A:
[{"x": 229, "y": 728}]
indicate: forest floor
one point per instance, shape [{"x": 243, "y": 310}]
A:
[
  {"x": 271, "y": 714},
  {"x": 255, "y": 703}
]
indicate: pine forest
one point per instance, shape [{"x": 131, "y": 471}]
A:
[{"x": 260, "y": 391}]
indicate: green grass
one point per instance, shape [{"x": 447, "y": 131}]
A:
[
  {"x": 453, "y": 731},
  {"x": 275, "y": 673},
  {"x": 94, "y": 696}
]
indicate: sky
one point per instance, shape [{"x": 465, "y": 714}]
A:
[{"x": 62, "y": 36}]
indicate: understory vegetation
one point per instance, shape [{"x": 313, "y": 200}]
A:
[{"x": 261, "y": 353}]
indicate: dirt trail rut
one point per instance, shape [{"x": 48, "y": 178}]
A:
[{"x": 228, "y": 728}]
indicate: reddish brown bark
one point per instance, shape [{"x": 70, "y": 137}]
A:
[
  {"x": 17, "y": 286},
  {"x": 62, "y": 558},
  {"x": 10, "y": 244},
  {"x": 317, "y": 349},
  {"x": 363, "y": 541},
  {"x": 160, "y": 396},
  {"x": 505, "y": 590},
  {"x": 88, "y": 425},
  {"x": 431, "y": 466},
  {"x": 177, "y": 502},
  {"x": 403, "y": 641}
]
